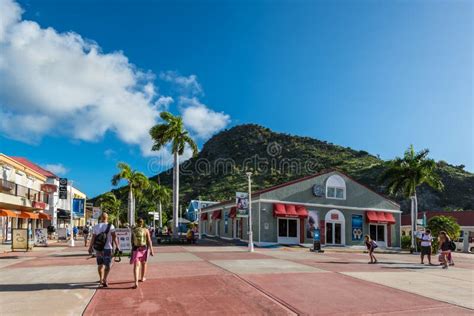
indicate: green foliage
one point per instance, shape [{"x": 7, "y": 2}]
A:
[
  {"x": 443, "y": 223},
  {"x": 406, "y": 242},
  {"x": 244, "y": 141},
  {"x": 111, "y": 205},
  {"x": 404, "y": 175}
]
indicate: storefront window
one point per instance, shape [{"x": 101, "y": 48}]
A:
[
  {"x": 292, "y": 228},
  {"x": 282, "y": 227}
]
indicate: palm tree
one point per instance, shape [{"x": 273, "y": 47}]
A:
[
  {"x": 111, "y": 205},
  {"x": 158, "y": 195},
  {"x": 136, "y": 181},
  {"x": 404, "y": 175},
  {"x": 172, "y": 131}
]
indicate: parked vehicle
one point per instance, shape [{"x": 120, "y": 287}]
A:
[{"x": 460, "y": 244}]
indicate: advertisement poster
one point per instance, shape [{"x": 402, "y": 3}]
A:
[
  {"x": 313, "y": 220},
  {"x": 20, "y": 239},
  {"x": 124, "y": 237},
  {"x": 78, "y": 207},
  {"x": 62, "y": 233},
  {"x": 96, "y": 212},
  {"x": 357, "y": 230},
  {"x": 41, "y": 237},
  {"x": 242, "y": 202}
]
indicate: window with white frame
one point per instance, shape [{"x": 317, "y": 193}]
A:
[{"x": 336, "y": 187}]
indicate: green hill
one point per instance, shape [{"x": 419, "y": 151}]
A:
[{"x": 219, "y": 169}]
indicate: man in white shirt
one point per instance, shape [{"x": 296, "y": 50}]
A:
[
  {"x": 103, "y": 250},
  {"x": 426, "y": 239}
]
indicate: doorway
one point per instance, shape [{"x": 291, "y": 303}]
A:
[
  {"x": 288, "y": 232},
  {"x": 335, "y": 227},
  {"x": 378, "y": 232}
]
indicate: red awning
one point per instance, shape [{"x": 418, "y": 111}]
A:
[
  {"x": 7, "y": 213},
  {"x": 289, "y": 210},
  {"x": 233, "y": 212},
  {"x": 44, "y": 216},
  {"x": 217, "y": 214},
  {"x": 204, "y": 216},
  {"x": 28, "y": 215},
  {"x": 380, "y": 217}
]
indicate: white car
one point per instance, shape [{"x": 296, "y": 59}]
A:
[{"x": 460, "y": 244}]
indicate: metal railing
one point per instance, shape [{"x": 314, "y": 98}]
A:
[{"x": 15, "y": 189}]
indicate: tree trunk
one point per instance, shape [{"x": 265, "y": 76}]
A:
[
  {"x": 413, "y": 221},
  {"x": 415, "y": 200},
  {"x": 175, "y": 195},
  {"x": 161, "y": 215},
  {"x": 131, "y": 207}
]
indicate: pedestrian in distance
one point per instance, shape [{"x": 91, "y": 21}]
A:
[
  {"x": 103, "y": 240},
  {"x": 446, "y": 245},
  {"x": 426, "y": 240},
  {"x": 141, "y": 245},
  {"x": 371, "y": 245},
  {"x": 75, "y": 231},
  {"x": 85, "y": 233}
]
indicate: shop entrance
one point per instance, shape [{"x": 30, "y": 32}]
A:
[
  {"x": 288, "y": 232},
  {"x": 335, "y": 228},
  {"x": 378, "y": 232}
]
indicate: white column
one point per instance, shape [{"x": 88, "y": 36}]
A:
[
  {"x": 71, "y": 226},
  {"x": 250, "y": 233}
]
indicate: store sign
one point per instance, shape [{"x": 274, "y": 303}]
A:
[
  {"x": 62, "y": 188},
  {"x": 49, "y": 188},
  {"x": 39, "y": 205},
  {"x": 242, "y": 202},
  {"x": 20, "y": 239},
  {"x": 124, "y": 237},
  {"x": 357, "y": 230},
  {"x": 41, "y": 237},
  {"x": 78, "y": 207}
]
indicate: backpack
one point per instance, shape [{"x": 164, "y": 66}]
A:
[
  {"x": 374, "y": 244},
  {"x": 139, "y": 237},
  {"x": 452, "y": 245},
  {"x": 101, "y": 239},
  {"x": 85, "y": 230}
]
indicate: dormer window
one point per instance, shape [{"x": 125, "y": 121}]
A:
[{"x": 336, "y": 188}]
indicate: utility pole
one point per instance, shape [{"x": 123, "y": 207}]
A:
[
  {"x": 71, "y": 203},
  {"x": 250, "y": 233}
]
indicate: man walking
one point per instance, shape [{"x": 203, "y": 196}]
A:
[
  {"x": 85, "y": 233},
  {"x": 103, "y": 239}
]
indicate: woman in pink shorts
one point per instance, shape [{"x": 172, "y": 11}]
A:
[{"x": 141, "y": 244}]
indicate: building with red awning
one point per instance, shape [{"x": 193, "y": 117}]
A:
[{"x": 341, "y": 208}]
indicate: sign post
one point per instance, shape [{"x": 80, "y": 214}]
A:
[{"x": 249, "y": 201}]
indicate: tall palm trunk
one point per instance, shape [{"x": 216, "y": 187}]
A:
[
  {"x": 161, "y": 215},
  {"x": 414, "y": 218},
  {"x": 175, "y": 194},
  {"x": 131, "y": 207}
]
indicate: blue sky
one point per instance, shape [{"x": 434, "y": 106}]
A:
[{"x": 371, "y": 75}]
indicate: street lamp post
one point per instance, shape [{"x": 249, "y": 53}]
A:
[
  {"x": 72, "y": 214},
  {"x": 249, "y": 177}
]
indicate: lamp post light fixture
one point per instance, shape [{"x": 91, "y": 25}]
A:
[{"x": 250, "y": 233}]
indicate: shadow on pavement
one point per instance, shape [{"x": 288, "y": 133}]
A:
[{"x": 47, "y": 286}]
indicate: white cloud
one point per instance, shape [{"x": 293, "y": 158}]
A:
[
  {"x": 57, "y": 169},
  {"x": 186, "y": 85},
  {"x": 200, "y": 119},
  {"x": 63, "y": 84}
]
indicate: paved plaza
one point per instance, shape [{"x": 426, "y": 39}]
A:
[{"x": 215, "y": 279}]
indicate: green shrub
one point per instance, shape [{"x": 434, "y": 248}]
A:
[{"x": 406, "y": 242}]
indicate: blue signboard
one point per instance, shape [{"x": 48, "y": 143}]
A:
[
  {"x": 357, "y": 230},
  {"x": 317, "y": 235},
  {"x": 78, "y": 207}
]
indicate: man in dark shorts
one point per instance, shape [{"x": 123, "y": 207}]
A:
[
  {"x": 426, "y": 240},
  {"x": 104, "y": 257}
]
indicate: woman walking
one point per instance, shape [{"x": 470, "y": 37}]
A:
[
  {"x": 371, "y": 245},
  {"x": 141, "y": 244},
  {"x": 445, "y": 247}
]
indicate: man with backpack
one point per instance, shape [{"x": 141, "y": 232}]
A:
[{"x": 103, "y": 239}]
